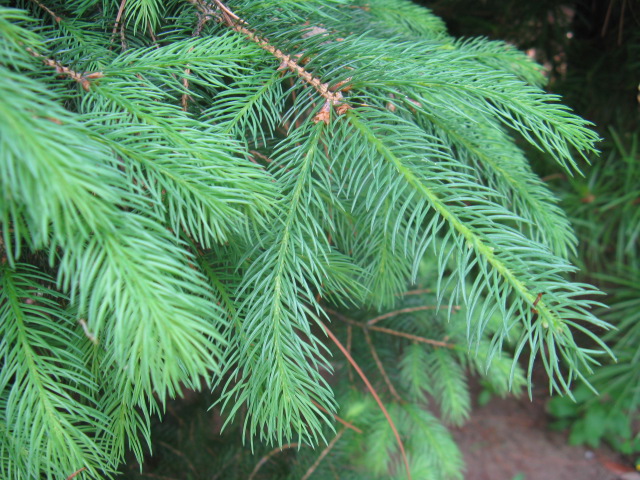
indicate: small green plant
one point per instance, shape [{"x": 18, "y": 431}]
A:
[{"x": 216, "y": 196}]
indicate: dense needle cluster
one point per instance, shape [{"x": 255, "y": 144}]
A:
[{"x": 189, "y": 188}]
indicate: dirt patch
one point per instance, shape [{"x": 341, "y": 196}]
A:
[{"x": 509, "y": 439}]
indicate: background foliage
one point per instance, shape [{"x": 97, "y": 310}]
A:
[{"x": 273, "y": 201}]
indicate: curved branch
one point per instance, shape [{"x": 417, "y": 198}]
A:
[{"x": 373, "y": 393}]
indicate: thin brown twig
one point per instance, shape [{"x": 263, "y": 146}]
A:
[
  {"x": 323, "y": 454},
  {"x": 228, "y": 12},
  {"x": 57, "y": 18},
  {"x": 185, "y": 84},
  {"x": 342, "y": 421},
  {"x": 554, "y": 176},
  {"x": 77, "y": 472},
  {"x": 81, "y": 78},
  {"x": 419, "y": 291},
  {"x": 607, "y": 17},
  {"x": 343, "y": 318},
  {"x": 373, "y": 392},
  {"x": 375, "y": 320},
  {"x": 415, "y": 338},
  {"x": 224, "y": 14},
  {"x": 260, "y": 155},
  {"x": 152, "y": 34},
  {"x": 380, "y": 366},
  {"x": 180, "y": 454},
  {"x": 123, "y": 37},
  {"x": 118, "y": 16},
  {"x": 266, "y": 458},
  {"x": 159, "y": 477},
  {"x": 202, "y": 20},
  {"x": 87, "y": 332},
  {"x": 621, "y": 24},
  {"x": 349, "y": 339}
]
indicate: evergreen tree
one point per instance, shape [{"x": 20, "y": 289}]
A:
[{"x": 192, "y": 189}]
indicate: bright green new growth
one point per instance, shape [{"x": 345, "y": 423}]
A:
[{"x": 187, "y": 185}]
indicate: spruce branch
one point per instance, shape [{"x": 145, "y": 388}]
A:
[
  {"x": 333, "y": 99},
  {"x": 496, "y": 258},
  {"x": 39, "y": 347},
  {"x": 204, "y": 200}
]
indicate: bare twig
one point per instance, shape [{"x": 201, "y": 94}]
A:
[
  {"x": 260, "y": 155},
  {"x": 118, "y": 17},
  {"x": 123, "y": 37},
  {"x": 607, "y": 17},
  {"x": 158, "y": 477},
  {"x": 415, "y": 292},
  {"x": 621, "y": 24},
  {"x": 266, "y": 458},
  {"x": 77, "y": 472},
  {"x": 383, "y": 372},
  {"x": 375, "y": 320},
  {"x": 202, "y": 21},
  {"x": 180, "y": 454},
  {"x": 554, "y": 176},
  {"x": 342, "y": 421},
  {"x": 373, "y": 392},
  {"x": 323, "y": 454},
  {"x": 228, "y": 13},
  {"x": 415, "y": 338},
  {"x": 87, "y": 332},
  {"x": 81, "y": 78},
  {"x": 185, "y": 84},
  {"x": 152, "y": 35},
  {"x": 57, "y": 18},
  {"x": 349, "y": 339}
]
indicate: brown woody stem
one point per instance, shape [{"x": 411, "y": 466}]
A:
[
  {"x": 380, "y": 366},
  {"x": 57, "y": 18},
  {"x": 407, "y": 310},
  {"x": 374, "y": 394},
  {"x": 323, "y": 454},
  {"x": 273, "y": 452},
  {"x": 364, "y": 325},
  {"x": 341, "y": 420},
  {"x": 225, "y": 15},
  {"x": 81, "y": 78}
]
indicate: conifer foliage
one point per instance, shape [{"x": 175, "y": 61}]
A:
[{"x": 190, "y": 187}]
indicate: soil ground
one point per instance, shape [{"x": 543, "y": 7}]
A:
[{"x": 509, "y": 439}]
